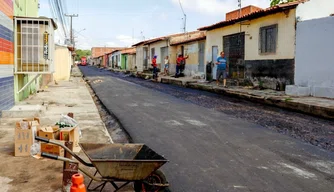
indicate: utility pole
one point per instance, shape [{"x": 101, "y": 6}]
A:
[
  {"x": 71, "y": 16},
  {"x": 185, "y": 18}
]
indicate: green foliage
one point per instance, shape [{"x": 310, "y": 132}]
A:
[
  {"x": 80, "y": 53},
  {"x": 276, "y": 2},
  {"x": 288, "y": 99}
]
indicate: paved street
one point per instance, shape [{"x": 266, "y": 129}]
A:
[{"x": 210, "y": 150}]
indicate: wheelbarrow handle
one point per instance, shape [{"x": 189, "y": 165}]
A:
[
  {"x": 55, "y": 142},
  {"x": 50, "y": 156},
  {"x": 45, "y": 140},
  {"x": 56, "y": 157}
]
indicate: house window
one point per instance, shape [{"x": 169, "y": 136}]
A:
[{"x": 268, "y": 39}]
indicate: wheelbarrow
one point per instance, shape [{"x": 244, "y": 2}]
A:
[{"x": 126, "y": 163}]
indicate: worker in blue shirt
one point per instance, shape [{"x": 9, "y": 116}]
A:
[{"x": 221, "y": 68}]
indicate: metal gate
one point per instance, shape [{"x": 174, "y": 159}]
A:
[
  {"x": 234, "y": 48},
  {"x": 34, "y": 45},
  {"x": 201, "y": 56},
  {"x": 164, "y": 53}
]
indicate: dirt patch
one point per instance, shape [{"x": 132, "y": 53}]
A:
[
  {"x": 3, "y": 134},
  {"x": 24, "y": 174}
]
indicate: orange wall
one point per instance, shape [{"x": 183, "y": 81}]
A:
[{"x": 6, "y": 32}]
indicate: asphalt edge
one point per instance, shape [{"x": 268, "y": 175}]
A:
[
  {"x": 106, "y": 109},
  {"x": 322, "y": 112}
]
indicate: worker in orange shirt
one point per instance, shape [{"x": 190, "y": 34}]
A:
[
  {"x": 180, "y": 62},
  {"x": 155, "y": 68}
]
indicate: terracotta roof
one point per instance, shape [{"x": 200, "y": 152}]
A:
[
  {"x": 129, "y": 51},
  {"x": 155, "y": 40},
  {"x": 256, "y": 14},
  {"x": 118, "y": 49},
  {"x": 150, "y": 41},
  {"x": 202, "y": 37}
]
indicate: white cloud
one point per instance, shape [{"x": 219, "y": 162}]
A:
[
  {"x": 111, "y": 44},
  {"x": 84, "y": 45},
  {"x": 126, "y": 40},
  {"x": 217, "y": 7}
]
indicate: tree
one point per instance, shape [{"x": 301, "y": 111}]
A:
[
  {"x": 276, "y": 2},
  {"x": 82, "y": 53}
]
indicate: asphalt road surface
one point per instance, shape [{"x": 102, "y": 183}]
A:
[{"x": 210, "y": 151}]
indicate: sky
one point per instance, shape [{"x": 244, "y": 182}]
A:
[
  {"x": 121, "y": 23},
  {"x": 125, "y": 22}
]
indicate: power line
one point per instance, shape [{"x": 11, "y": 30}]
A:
[
  {"x": 60, "y": 2},
  {"x": 60, "y": 15},
  {"x": 56, "y": 8},
  {"x": 53, "y": 13}
]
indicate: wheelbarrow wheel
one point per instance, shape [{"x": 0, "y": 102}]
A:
[{"x": 156, "y": 177}]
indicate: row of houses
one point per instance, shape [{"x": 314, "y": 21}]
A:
[{"x": 260, "y": 46}]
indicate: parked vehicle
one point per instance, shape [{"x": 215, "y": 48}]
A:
[{"x": 83, "y": 61}]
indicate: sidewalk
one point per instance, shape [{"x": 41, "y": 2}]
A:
[
  {"x": 311, "y": 105},
  {"x": 321, "y": 107},
  {"x": 32, "y": 175}
]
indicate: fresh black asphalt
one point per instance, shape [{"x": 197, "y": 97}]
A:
[{"x": 210, "y": 151}]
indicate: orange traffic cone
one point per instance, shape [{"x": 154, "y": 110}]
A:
[{"x": 78, "y": 183}]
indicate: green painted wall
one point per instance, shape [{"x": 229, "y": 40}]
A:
[
  {"x": 21, "y": 80},
  {"x": 123, "y": 61},
  {"x": 25, "y": 8}
]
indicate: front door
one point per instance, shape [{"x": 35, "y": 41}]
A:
[
  {"x": 214, "y": 59},
  {"x": 234, "y": 48},
  {"x": 125, "y": 61},
  {"x": 164, "y": 53},
  {"x": 201, "y": 55},
  {"x": 145, "y": 57}
]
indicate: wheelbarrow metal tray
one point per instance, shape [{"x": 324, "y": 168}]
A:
[{"x": 124, "y": 162}]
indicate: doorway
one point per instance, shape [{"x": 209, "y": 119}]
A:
[
  {"x": 201, "y": 55},
  {"x": 125, "y": 61},
  {"x": 145, "y": 58},
  {"x": 214, "y": 59},
  {"x": 164, "y": 53}
]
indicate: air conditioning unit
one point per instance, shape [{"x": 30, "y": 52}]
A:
[{"x": 34, "y": 45}]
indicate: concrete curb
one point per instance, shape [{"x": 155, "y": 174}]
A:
[
  {"x": 276, "y": 101},
  {"x": 88, "y": 83}
]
